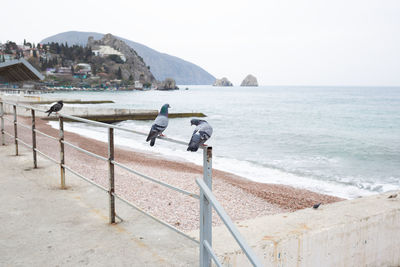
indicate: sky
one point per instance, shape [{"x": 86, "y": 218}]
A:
[{"x": 281, "y": 42}]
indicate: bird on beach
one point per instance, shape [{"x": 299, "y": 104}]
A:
[
  {"x": 55, "y": 108},
  {"x": 159, "y": 125},
  {"x": 201, "y": 134},
  {"x": 316, "y": 206}
]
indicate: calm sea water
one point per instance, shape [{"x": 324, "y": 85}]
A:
[{"x": 339, "y": 141}]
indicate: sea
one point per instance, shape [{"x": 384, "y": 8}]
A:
[{"x": 341, "y": 141}]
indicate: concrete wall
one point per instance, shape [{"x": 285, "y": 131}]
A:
[{"x": 359, "y": 232}]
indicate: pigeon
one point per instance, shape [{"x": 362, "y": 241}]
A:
[
  {"x": 56, "y": 107},
  {"x": 316, "y": 206},
  {"x": 200, "y": 135},
  {"x": 159, "y": 125}
]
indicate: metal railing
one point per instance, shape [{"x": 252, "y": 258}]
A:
[{"x": 206, "y": 198}]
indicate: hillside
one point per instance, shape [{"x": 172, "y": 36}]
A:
[{"x": 161, "y": 65}]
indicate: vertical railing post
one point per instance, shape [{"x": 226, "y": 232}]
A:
[
  {"x": 15, "y": 130},
  {"x": 111, "y": 173},
  {"x": 34, "y": 139},
  {"x": 206, "y": 210},
  {"x": 3, "y": 142},
  {"x": 62, "y": 156}
]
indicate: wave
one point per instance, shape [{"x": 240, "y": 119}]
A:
[{"x": 345, "y": 188}]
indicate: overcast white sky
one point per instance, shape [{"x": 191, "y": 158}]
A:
[{"x": 282, "y": 42}]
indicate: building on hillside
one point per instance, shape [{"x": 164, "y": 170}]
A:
[
  {"x": 105, "y": 50},
  {"x": 138, "y": 85},
  {"x": 64, "y": 71}
]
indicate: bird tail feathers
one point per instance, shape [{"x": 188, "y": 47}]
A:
[{"x": 152, "y": 142}]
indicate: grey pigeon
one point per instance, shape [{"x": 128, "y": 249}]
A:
[
  {"x": 201, "y": 134},
  {"x": 316, "y": 206},
  {"x": 159, "y": 125},
  {"x": 55, "y": 108}
]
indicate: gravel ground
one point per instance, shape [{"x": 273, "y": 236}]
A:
[{"x": 241, "y": 198}]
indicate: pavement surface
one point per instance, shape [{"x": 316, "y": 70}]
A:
[{"x": 42, "y": 225}]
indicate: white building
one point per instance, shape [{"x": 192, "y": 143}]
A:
[{"x": 105, "y": 50}]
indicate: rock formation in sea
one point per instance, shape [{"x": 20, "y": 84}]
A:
[
  {"x": 168, "y": 84},
  {"x": 129, "y": 62},
  {"x": 250, "y": 80},
  {"x": 222, "y": 82}
]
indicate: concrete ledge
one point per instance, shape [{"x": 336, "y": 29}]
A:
[{"x": 359, "y": 232}]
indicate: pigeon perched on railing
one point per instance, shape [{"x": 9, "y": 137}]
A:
[
  {"x": 159, "y": 125},
  {"x": 56, "y": 107},
  {"x": 200, "y": 135}
]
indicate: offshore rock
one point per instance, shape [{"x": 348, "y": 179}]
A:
[
  {"x": 168, "y": 84},
  {"x": 250, "y": 80},
  {"x": 222, "y": 82}
]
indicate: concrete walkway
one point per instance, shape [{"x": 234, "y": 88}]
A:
[{"x": 42, "y": 225}]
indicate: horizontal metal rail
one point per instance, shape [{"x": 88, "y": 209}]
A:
[
  {"x": 10, "y": 135},
  {"x": 155, "y": 180},
  {"x": 101, "y": 124},
  {"x": 228, "y": 222},
  {"x": 85, "y": 151},
  {"x": 155, "y": 218},
  {"x": 24, "y": 126},
  {"x": 212, "y": 253},
  {"x": 85, "y": 178},
  {"x": 48, "y": 157},
  {"x": 9, "y": 120},
  {"x": 49, "y": 136},
  {"x": 22, "y": 142}
]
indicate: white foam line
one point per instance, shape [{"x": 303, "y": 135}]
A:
[{"x": 242, "y": 168}]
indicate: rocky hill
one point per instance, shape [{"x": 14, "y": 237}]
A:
[
  {"x": 161, "y": 65},
  {"x": 133, "y": 66}
]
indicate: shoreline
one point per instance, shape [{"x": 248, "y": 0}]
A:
[{"x": 242, "y": 199}]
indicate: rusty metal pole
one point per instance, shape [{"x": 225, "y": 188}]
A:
[
  {"x": 34, "y": 139},
  {"x": 206, "y": 210},
  {"x": 15, "y": 130},
  {"x": 3, "y": 142},
  {"x": 62, "y": 161},
  {"x": 111, "y": 173}
]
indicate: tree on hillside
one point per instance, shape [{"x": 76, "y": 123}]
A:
[{"x": 119, "y": 74}]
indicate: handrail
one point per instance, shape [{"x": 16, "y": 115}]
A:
[
  {"x": 22, "y": 142},
  {"x": 101, "y": 124},
  {"x": 228, "y": 222},
  {"x": 42, "y": 133},
  {"x": 111, "y": 161},
  {"x": 155, "y": 218},
  {"x": 85, "y": 151},
  {"x": 154, "y": 180},
  {"x": 211, "y": 251},
  {"x": 206, "y": 198}
]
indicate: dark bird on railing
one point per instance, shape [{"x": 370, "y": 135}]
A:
[
  {"x": 55, "y": 108},
  {"x": 316, "y": 206},
  {"x": 159, "y": 125},
  {"x": 201, "y": 134}
]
